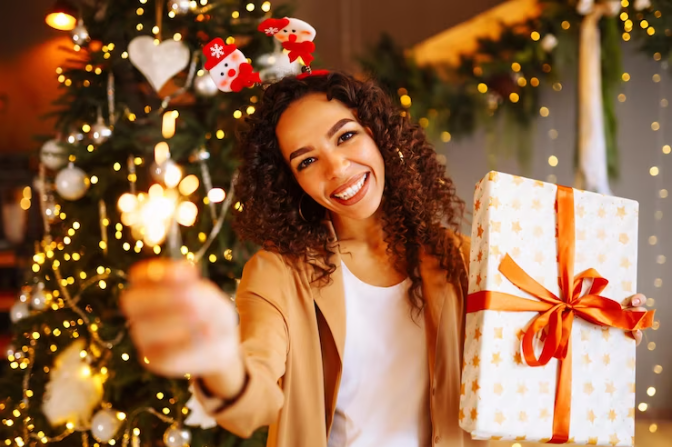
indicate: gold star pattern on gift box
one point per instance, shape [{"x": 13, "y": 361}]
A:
[{"x": 502, "y": 397}]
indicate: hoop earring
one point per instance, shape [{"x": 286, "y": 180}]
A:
[{"x": 300, "y": 213}]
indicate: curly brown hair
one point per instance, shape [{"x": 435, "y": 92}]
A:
[{"x": 419, "y": 200}]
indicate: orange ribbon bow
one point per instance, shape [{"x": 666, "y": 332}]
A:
[{"x": 557, "y": 314}]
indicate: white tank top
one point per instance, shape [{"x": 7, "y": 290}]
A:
[{"x": 383, "y": 398}]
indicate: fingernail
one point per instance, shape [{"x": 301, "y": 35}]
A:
[{"x": 637, "y": 301}]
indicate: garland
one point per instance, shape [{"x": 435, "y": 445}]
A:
[{"x": 497, "y": 87}]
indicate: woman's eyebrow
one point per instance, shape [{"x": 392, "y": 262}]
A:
[
  {"x": 334, "y": 129},
  {"x": 339, "y": 124}
]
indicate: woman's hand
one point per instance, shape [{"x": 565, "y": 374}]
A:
[
  {"x": 183, "y": 324},
  {"x": 635, "y": 303}
]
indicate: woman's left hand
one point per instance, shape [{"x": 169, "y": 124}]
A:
[{"x": 635, "y": 303}]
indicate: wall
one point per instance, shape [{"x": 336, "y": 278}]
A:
[{"x": 29, "y": 55}]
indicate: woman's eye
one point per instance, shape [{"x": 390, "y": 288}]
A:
[
  {"x": 305, "y": 163},
  {"x": 346, "y": 136}
]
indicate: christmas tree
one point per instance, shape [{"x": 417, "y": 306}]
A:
[{"x": 141, "y": 164}]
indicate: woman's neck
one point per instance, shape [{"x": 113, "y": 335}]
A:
[{"x": 356, "y": 232}]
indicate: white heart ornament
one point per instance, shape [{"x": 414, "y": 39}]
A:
[{"x": 158, "y": 63}]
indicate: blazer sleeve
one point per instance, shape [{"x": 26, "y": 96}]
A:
[{"x": 265, "y": 344}]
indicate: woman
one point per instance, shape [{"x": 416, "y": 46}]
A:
[{"x": 351, "y": 316}]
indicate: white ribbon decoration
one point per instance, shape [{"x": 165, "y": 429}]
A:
[{"x": 593, "y": 166}]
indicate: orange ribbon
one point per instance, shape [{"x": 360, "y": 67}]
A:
[{"x": 557, "y": 314}]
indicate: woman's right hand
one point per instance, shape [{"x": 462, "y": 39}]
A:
[{"x": 183, "y": 324}]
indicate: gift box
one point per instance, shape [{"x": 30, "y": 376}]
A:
[{"x": 548, "y": 353}]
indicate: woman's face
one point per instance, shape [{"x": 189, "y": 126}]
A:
[{"x": 334, "y": 159}]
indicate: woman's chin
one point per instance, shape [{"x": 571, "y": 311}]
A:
[{"x": 363, "y": 210}]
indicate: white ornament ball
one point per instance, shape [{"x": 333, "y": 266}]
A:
[
  {"x": 104, "y": 425},
  {"x": 71, "y": 183},
  {"x": 205, "y": 86},
  {"x": 38, "y": 299},
  {"x": 79, "y": 34},
  {"x": 177, "y": 437},
  {"x": 549, "y": 42},
  {"x": 100, "y": 132},
  {"x": 53, "y": 155},
  {"x": 19, "y": 311},
  {"x": 179, "y": 7}
]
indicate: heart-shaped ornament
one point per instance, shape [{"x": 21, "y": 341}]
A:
[{"x": 158, "y": 63}]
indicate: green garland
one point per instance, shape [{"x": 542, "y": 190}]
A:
[{"x": 497, "y": 87}]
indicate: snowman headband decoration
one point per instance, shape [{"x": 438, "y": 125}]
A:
[{"x": 229, "y": 67}]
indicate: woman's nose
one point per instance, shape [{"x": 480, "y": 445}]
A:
[{"x": 336, "y": 166}]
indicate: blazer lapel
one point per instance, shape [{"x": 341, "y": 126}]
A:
[
  {"x": 434, "y": 286},
  {"x": 331, "y": 316}
]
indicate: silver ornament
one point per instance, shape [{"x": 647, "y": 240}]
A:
[
  {"x": 53, "y": 155},
  {"x": 104, "y": 425},
  {"x": 180, "y": 7},
  {"x": 19, "y": 311},
  {"x": 204, "y": 85},
  {"x": 79, "y": 34},
  {"x": 100, "y": 132},
  {"x": 71, "y": 183},
  {"x": 38, "y": 299},
  {"x": 177, "y": 436}
]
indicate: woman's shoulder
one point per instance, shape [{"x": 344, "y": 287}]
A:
[
  {"x": 270, "y": 263},
  {"x": 462, "y": 242}
]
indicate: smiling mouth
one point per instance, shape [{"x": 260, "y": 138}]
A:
[{"x": 352, "y": 190}]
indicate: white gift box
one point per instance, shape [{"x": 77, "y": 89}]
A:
[{"x": 502, "y": 397}]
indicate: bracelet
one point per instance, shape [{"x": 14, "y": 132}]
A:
[{"x": 225, "y": 402}]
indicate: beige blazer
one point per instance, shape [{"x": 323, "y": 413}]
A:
[{"x": 293, "y": 335}]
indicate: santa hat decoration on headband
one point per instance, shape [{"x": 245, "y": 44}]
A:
[
  {"x": 228, "y": 66},
  {"x": 295, "y": 35}
]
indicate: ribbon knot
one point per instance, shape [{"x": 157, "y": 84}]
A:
[{"x": 556, "y": 315}]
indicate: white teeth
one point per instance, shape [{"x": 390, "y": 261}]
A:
[{"x": 350, "y": 192}]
